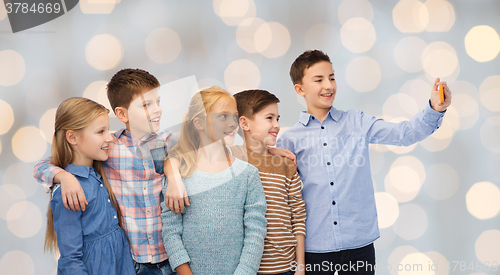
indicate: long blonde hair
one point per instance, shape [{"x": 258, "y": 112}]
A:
[
  {"x": 74, "y": 114},
  {"x": 189, "y": 140}
]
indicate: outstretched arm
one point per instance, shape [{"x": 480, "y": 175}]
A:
[
  {"x": 405, "y": 133},
  {"x": 72, "y": 193}
]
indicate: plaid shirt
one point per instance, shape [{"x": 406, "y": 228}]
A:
[{"x": 135, "y": 172}]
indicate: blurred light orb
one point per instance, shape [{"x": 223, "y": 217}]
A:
[
  {"x": 408, "y": 54},
  {"x": 487, "y": 248},
  {"x": 24, "y": 219},
  {"x": 419, "y": 90},
  {"x": 97, "y": 91},
  {"x": 410, "y": 16},
  {"x": 411, "y": 223},
  {"x": 441, "y": 182},
  {"x": 272, "y": 40},
  {"x": 400, "y": 105},
  {"x": 387, "y": 209},
  {"x": 234, "y": 12},
  {"x": 241, "y": 75},
  {"x": 355, "y": 8},
  {"x": 163, "y": 45},
  {"x": 7, "y": 116},
  {"x": 46, "y": 124},
  {"x": 439, "y": 60},
  {"x": 489, "y": 92},
  {"x": 467, "y": 109},
  {"x": 482, "y": 43},
  {"x": 20, "y": 174},
  {"x": 398, "y": 255},
  {"x": 439, "y": 261},
  {"x": 12, "y": 68},
  {"x": 415, "y": 263},
  {"x": 441, "y": 15},
  {"x": 358, "y": 35},
  {"x": 490, "y": 134},
  {"x": 245, "y": 34},
  {"x": 97, "y": 6},
  {"x": 405, "y": 177},
  {"x": 29, "y": 144},
  {"x": 9, "y": 195},
  {"x": 483, "y": 200},
  {"x": 17, "y": 262},
  {"x": 104, "y": 52},
  {"x": 363, "y": 74},
  {"x": 323, "y": 36}
]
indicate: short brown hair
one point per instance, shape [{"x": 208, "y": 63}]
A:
[
  {"x": 129, "y": 82},
  {"x": 305, "y": 61},
  {"x": 250, "y": 102}
]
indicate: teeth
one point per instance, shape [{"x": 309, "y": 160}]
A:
[{"x": 155, "y": 120}]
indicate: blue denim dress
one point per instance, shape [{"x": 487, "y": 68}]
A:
[{"x": 90, "y": 241}]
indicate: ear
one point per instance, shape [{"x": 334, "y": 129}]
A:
[
  {"x": 244, "y": 123},
  {"x": 122, "y": 114},
  {"x": 198, "y": 124},
  {"x": 71, "y": 137},
  {"x": 298, "y": 90}
]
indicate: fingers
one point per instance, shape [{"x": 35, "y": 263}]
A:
[
  {"x": 75, "y": 205},
  {"x": 176, "y": 207},
  {"x": 436, "y": 82},
  {"x": 171, "y": 205},
  {"x": 181, "y": 206},
  {"x": 65, "y": 202},
  {"x": 186, "y": 201},
  {"x": 82, "y": 200}
]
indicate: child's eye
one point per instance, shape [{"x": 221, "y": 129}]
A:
[
  {"x": 101, "y": 132},
  {"x": 146, "y": 105},
  {"x": 319, "y": 80},
  {"x": 332, "y": 79}
]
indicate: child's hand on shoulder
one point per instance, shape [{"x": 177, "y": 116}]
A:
[
  {"x": 71, "y": 191},
  {"x": 283, "y": 152},
  {"x": 435, "y": 102},
  {"x": 176, "y": 194}
]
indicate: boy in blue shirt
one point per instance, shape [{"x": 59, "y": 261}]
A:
[{"x": 332, "y": 159}]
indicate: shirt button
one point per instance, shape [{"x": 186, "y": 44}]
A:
[
  {"x": 145, "y": 187},
  {"x": 145, "y": 163},
  {"x": 331, "y": 183},
  {"x": 149, "y": 237},
  {"x": 324, "y": 144},
  {"x": 114, "y": 217},
  {"x": 328, "y": 163},
  {"x": 101, "y": 184},
  {"x": 333, "y": 202},
  {"x": 149, "y": 212},
  {"x": 335, "y": 223},
  {"x": 109, "y": 200},
  {"x": 312, "y": 117},
  {"x": 322, "y": 127}
]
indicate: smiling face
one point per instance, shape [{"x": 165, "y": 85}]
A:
[
  {"x": 263, "y": 128},
  {"x": 223, "y": 121},
  {"x": 318, "y": 88},
  {"x": 144, "y": 114},
  {"x": 93, "y": 142}
]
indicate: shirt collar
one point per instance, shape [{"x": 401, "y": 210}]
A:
[
  {"x": 78, "y": 170},
  {"x": 143, "y": 140},
  {"x": 305, "y": 117}
]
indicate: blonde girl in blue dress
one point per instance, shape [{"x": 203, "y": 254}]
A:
[{"x": 90, "y": 241}]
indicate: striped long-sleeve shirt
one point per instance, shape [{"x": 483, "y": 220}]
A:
[
  {"x": 135, "y": 172},
  {"x": 286, "y": 213}
]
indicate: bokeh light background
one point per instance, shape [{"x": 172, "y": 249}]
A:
[{"x": 437, "y": 201}]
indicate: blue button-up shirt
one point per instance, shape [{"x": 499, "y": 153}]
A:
[{"x": 333, "y": 163}]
